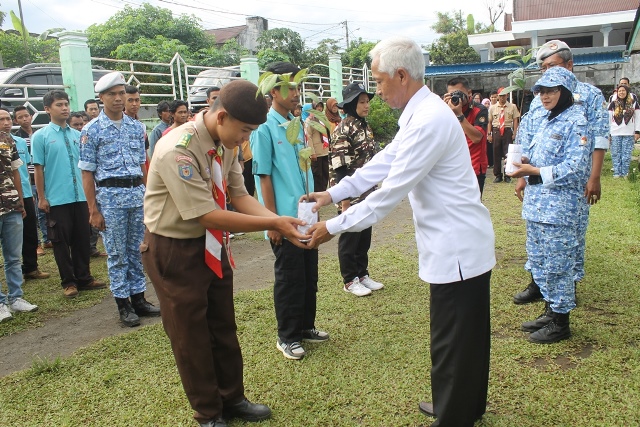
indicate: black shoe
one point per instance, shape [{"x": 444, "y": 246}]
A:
[
  {"x": 247, "y": 411},
  {"x": 142, "y": 307},
  {"x": 427, "y": 409},
  {"x": 127, "y": 315},
  {"x": 557, "y": 330},
  {"x": 497, "y": 180},
  {"x": 530, "y": 294},
  {"x": 540, "y": 322},
  {"x": 507, "y": 179},
  {"x": 214, "y": 423}
]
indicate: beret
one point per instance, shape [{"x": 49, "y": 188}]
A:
[
  {"x": 550, "y": 48},
  {"x": 556, "y": 76},
  {"x": 110, "y": 80},
  {"x": 239, "y": 99}
]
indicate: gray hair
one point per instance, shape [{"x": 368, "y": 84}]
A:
[{"x": 399, "y": 52}]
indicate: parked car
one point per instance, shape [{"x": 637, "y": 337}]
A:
[
  {"x": 209, "y": 78},
  {"x": 44, "y": 76}
]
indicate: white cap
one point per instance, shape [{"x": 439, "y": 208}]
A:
[{"x": 110, "y": 80}]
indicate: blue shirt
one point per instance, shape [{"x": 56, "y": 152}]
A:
[
  {"x": 275, "y": 156},
  {"x": 25, "y": 156},
  {"x": 112, "y": 152},
  {"x": 57, "y": 150},
  {"x": 560, "y": 148}
]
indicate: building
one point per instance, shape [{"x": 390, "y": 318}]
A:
[{"x": 246, "y": 35}]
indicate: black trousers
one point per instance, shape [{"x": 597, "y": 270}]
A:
[
  {"x": 29, "y": 237},
  {"x": 199, "y": 319},
  {"x": 460, "y": 350},
  {"x": 295, "y": 289},
  {"x": 500, "y": 148},
  {"x": 320, "y": 170},
  {"x": 481, "y": 178},
  {"x": 247, "y": 174},
  {"x": 490, "y": 153},
  {"x": 68, "y": 229},
  {"x": 353, "y": 254}
]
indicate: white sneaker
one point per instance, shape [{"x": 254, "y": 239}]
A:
[
  {"x": 5, "y": 313},
  {"x": 370, "y": 283},
  {"x": 357, "y": 288},
  {"x": 20, "y": 305}
]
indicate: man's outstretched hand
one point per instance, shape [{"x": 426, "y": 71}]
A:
[
  {"x": 322, "y": 198},
  {"x": 319, "y": 234}
]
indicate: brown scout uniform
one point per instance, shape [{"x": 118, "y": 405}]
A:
[{"x": 197, "y": 306}]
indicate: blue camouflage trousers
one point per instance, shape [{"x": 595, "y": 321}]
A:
[
  {"x": 621, "y": 149},
  {"x": 581, "y": 232},
  {"x": 551, "y": 250},
  {"x": 122, "y": 238}
]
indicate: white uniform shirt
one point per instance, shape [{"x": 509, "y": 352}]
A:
[{"x": 429, "y": 161}]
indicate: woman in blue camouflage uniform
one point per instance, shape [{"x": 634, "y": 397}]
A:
[
  {"x": 557, "y": 166},
  {"x": 352, "y": 145}
]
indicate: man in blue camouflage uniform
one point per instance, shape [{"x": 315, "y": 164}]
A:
[
  {"x": 557, "y": 166},
  {"x": 112, "y": 154},
  {"x": 591, "y": 102}
]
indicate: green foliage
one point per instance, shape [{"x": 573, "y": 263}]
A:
[
  {"x": 357, "y": 54},
  {"x": 449, "y": 22},
  {"x": 453, "y": 48},
  {"x": 286, "y": 41},
  {"x": 157, "y": 49},
  {"x": 471, "y": 27},
  {"x": 13, "y": 54},
  {"x": 518, "y": 78},
  {"x": 320, "y": 55},
  {"x": 383, "y": 121},
  {"x": 267, "y": 56},
  {"x": 145, "y": 22},
  {"x": 18, "y": 25}
]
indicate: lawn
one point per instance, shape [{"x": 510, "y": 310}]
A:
[{"x": 375, "y": 369}]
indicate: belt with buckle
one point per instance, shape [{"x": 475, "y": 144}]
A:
[{"x": 120, "y": 182}]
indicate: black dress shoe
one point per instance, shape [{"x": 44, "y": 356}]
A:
[
  {"x": 247, "y": 411},
  {"x": 127, "y": 316},
  {"x": 142, "y": 307},
  {"x": 507, "y": 179},
  {"x": 214, "y": 423},
  {"x": 497, "y": 180},
  {"x": 427, "y": 409}
]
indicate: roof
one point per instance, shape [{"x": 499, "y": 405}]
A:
[
  {"x": 224, "y": 34},
  {"x": 529, "y": 10},
  {"x": 610, "y": 57}
]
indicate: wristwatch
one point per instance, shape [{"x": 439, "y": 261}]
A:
[{"x": 460, "y": 118}]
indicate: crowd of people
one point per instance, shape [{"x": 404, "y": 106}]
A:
[{"x": 167, "y": 203}]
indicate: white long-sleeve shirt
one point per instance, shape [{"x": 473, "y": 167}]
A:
[{"x": 429, "y": 161}]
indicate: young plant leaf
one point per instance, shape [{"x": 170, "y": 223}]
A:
[{"x": 293, "y": 131}]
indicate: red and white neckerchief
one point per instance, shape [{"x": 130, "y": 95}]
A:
[
  {"x": 214, "y": 238},
  {"x": 501, "y": 120}
]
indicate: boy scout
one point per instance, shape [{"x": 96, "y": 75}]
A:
[{"x": 182, "y": 205}]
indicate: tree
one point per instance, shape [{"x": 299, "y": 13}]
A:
[
  {"x": 496, "y": 9},
  {"x": 13, "y": 52},
  {"x": 320, "y": 55},
  {"x": 383, "y": 120},
  {"x": 357, "y": 54},
  {"x": 267, "y": 56},
  {"x": 453, "y": 47},
  {"x": 285, "y": 41},
  {"x": 146, "y": 22}
]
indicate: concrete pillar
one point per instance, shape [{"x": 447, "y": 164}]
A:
[
  {"x": 335, "y": 76},
  {"x": 605, "y": 30},
  {"x": 249, "y": 69},
  {"x": 75, "y": 59}
]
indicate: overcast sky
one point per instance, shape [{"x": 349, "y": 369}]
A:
[{"x": 317, "y": 19}]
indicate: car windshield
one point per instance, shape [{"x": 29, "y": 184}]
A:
[{"x": 5, "y": 74}]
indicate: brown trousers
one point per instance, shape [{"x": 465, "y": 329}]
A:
[{"x": 199, "y": 318}]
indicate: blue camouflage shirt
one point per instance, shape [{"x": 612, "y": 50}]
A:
[
  {"x": 114, "y": 152},
  {"x": 560, "y": 148}
]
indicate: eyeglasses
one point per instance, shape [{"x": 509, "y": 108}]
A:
[
  {"x": 545, "y": 67},
  {"x": 546, "y": 91}
]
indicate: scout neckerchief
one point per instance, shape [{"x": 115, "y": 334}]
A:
[
  {"x": 501, "y": 119},
  {"x": 213, "y": 241}
]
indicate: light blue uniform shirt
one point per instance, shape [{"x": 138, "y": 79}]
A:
[
  {"x": 112, "y": 152},
  {"x": 57, "y": 150},
  {"x": 275, "y": 156},
  {"x": 23, "y": 152}
]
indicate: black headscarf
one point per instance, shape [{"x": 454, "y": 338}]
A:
[{"x": 565, "y": 101}]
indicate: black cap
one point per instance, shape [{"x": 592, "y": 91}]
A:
[
  {"x": 239, "y": 99},
  {"x": 351, "y": 92}
]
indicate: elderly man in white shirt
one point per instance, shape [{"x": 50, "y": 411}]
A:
[{"x": 428, "y": 160}]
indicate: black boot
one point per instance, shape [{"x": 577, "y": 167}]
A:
[
  {"x": 142, "y": 307},
  {"x": 530, "y": 294},
  {"x": 556, "y": 330},
  {"x": 127, "y": 316},
  {"x": 540, "y": 321}
]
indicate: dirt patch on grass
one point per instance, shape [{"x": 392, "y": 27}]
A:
[{"x": 564, "y": 361}]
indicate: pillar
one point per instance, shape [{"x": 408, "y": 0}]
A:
[
  {"x": 335, "y": 76},
  {"x": 605, "y": 30},
  {"x": 75, "y": 60},
  {"x": 249, "y": 69}
]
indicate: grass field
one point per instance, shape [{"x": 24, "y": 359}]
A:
[{"x": 375, "y": 369}]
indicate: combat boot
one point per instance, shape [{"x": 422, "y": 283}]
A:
[
  {"x": 142, "y": 307},
  {"x": 530, "y": 294},
  {"x": 127, "y": 315},
  {"x": 556, "y": 330},
  {"x": 540, "y": 321}
]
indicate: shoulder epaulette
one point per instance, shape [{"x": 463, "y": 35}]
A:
[{"x": 185, "y": 139}]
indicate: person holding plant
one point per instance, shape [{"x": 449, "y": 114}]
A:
[
  {"x": 556, "y": 164},
  {"x": 351, "y": 148},
  {"x": 281, "y": 182},
  {"x": 624, "y": 119}
]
